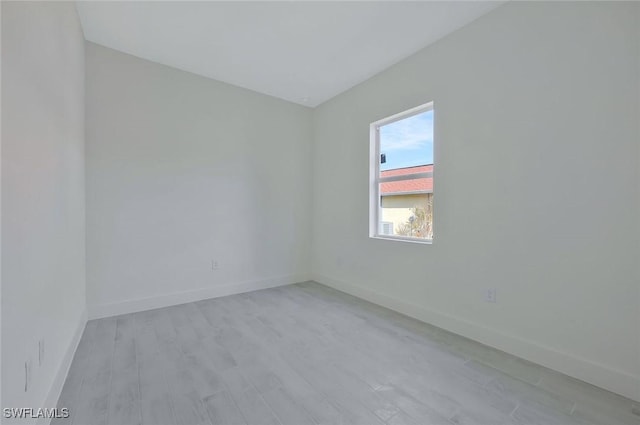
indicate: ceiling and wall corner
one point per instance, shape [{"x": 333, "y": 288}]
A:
[{"x": 303, "y": 52}]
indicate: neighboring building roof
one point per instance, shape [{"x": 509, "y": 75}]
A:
[{"x": 422, "y": 185}]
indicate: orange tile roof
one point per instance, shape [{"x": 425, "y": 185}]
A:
[{"x": 423, "y": 185}]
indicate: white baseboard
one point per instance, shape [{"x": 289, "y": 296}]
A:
[
  {"x": 99, "y": 311},
  {"x": 586, "y": 370},
  {"x": 58, "y": 382}
]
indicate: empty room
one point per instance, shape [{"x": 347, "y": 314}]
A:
[{"x": 320, "y": 212}]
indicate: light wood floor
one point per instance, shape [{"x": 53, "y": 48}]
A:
[{"x": 306, "y": 354}]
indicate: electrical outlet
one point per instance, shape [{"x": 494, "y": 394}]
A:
[
  {"x": 40, "y": 352},
  {"x": 490, "y": 295},
  {"x": 215, "y": 265}
]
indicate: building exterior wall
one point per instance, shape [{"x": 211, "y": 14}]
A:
[{"x": 397, "y": 209}]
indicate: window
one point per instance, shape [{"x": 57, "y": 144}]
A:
[
  {"x": 387, "y": 228},
  {"x": 401, "y": 176}
]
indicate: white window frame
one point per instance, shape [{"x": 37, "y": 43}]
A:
[{"x": 375, "y": 207}]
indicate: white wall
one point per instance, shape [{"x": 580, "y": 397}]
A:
[
  {"x": 182, "y": 170},
  {"x": 43, "y": 237},
  {"x": 536, "y": 187}
]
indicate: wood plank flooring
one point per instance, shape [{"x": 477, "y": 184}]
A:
[{"x": 307, "y": 354}]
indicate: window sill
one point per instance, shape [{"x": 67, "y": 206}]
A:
[{"x": 403, "y": 239}]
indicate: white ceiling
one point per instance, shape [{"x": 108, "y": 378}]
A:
[{"x": 304, "y": 52}]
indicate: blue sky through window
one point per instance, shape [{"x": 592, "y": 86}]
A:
[{"x": 408, "y": 142}]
